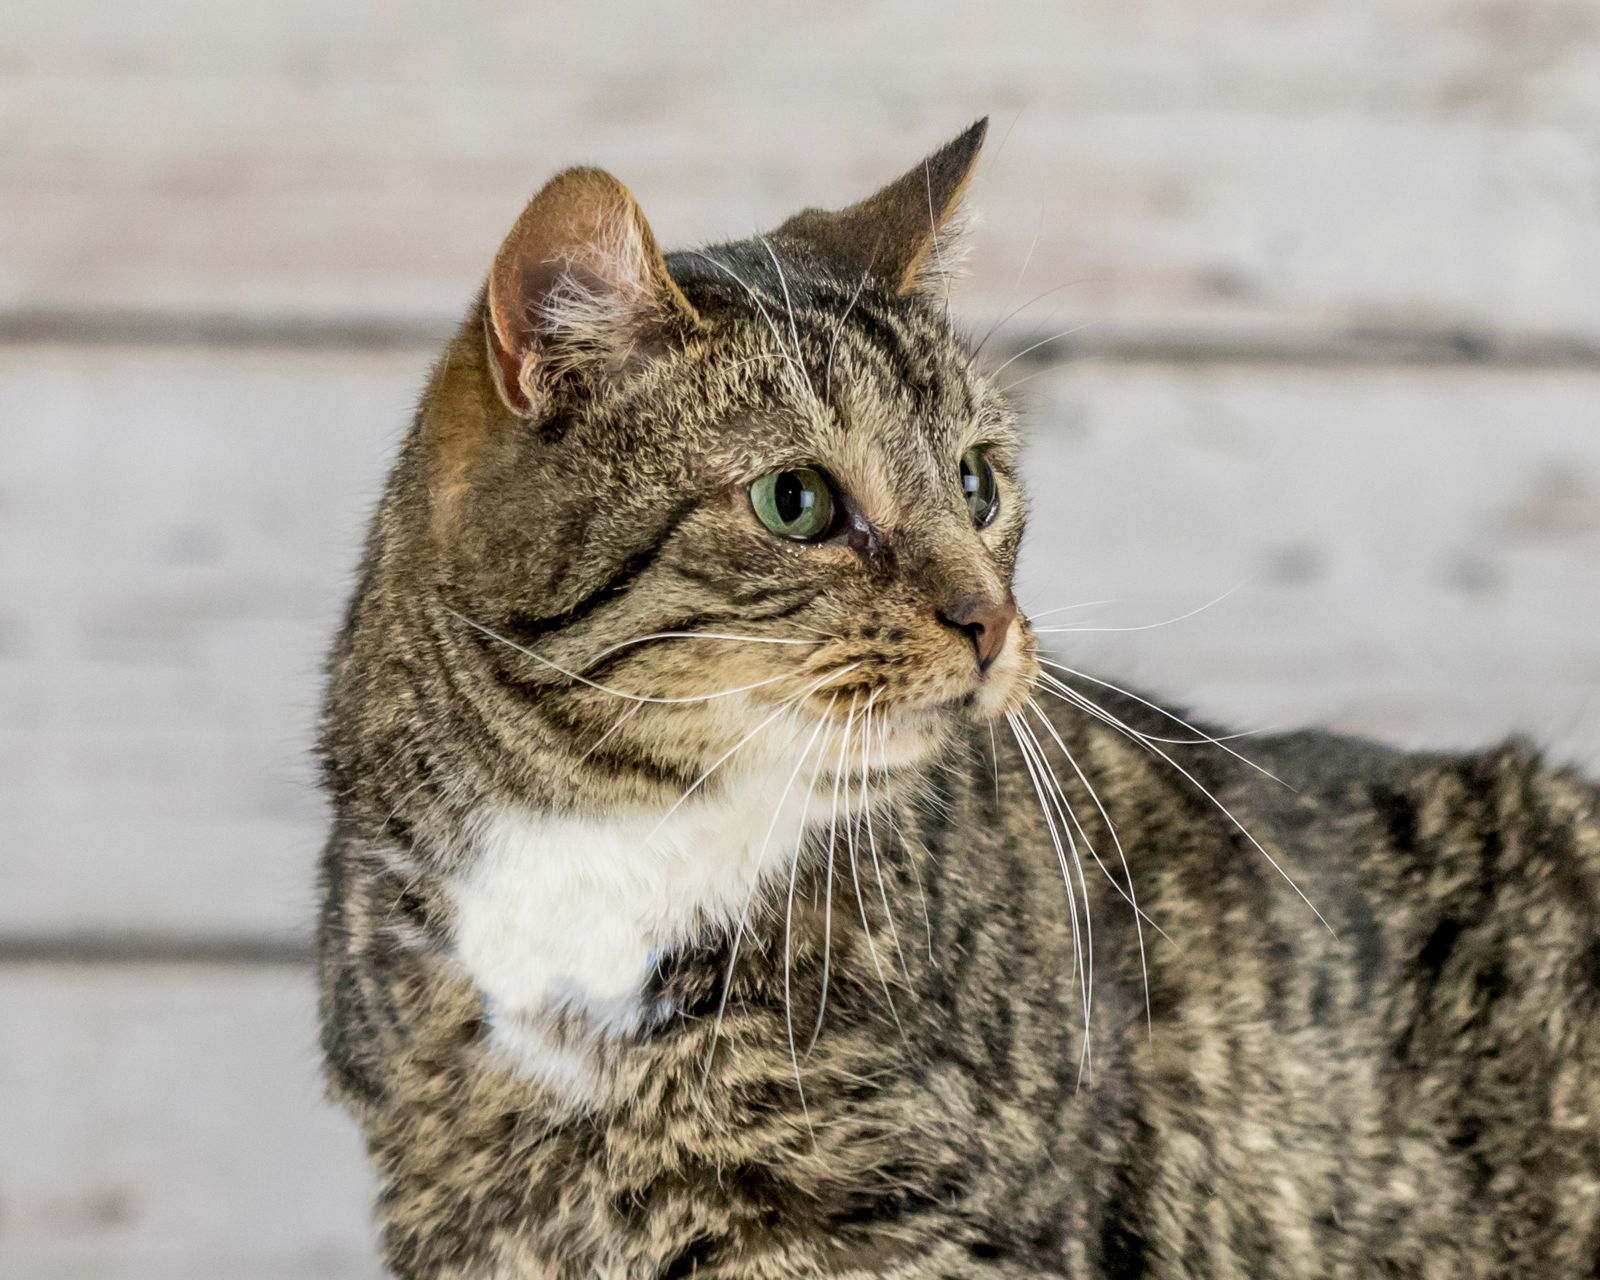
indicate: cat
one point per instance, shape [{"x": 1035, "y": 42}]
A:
[{"x": 723, "y": 883}]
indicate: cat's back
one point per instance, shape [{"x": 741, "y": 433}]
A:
[
  {"x": 1356, "y": 1023},
  {"x": 1360, "y": 1032}
]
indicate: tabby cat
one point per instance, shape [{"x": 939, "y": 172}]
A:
[{"x": 722, "y": 884}]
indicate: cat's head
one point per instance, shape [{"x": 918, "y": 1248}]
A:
[{"x": 767, "y": 466}]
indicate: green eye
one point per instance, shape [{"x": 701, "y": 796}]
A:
[
  {"x": 978, "y": 485},
  {"x": 796, "y": 504}
]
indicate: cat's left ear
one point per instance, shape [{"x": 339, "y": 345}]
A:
[
  {"x": 903, "y": 236},
  {"x": 578, "y": 289}
]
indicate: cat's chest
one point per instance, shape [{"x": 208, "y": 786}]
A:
[{"x": 566, "y": 914}]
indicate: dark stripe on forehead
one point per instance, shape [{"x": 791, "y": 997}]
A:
[
  {"x": 827, "y": 310},
  {"x": 879, "y": 331}
]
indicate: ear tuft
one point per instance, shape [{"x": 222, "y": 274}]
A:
[
  {"x": 906, "y": 235},
  {"x": 579, "y": 285}
]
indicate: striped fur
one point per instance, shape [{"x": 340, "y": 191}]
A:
[{"x": 894, "y": 1062}]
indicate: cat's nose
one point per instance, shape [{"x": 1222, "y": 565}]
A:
[{"x": 983, "y": 620}]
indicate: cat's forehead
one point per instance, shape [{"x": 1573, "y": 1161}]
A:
[{"x": 835, "y": 356}]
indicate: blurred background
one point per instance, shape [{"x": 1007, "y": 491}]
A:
[{"x": 1328, "y": 280}]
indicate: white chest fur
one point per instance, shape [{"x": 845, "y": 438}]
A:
[{"x": 566, "y": 915}]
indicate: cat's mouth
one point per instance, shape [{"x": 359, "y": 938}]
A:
[{"x": 913, "y": 704}]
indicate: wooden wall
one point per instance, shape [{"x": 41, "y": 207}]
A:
[{"x": 1333, "y": 276}]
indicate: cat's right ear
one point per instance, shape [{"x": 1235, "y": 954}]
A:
[
  {"x": 579, "y": 288},
  {"x": 907, "y": 234}
]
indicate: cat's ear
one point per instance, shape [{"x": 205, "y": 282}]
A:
[
  {"x": 904, "y": 235},
  {"x": 579, "y": 286}
]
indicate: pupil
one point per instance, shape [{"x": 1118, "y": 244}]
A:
[{"x": 791, "y": 496}]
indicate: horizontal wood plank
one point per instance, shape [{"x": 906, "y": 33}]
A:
[
  {"x": 168, "y": 1124},
  {"x": 1415, "y": 552},
  {"x": 1237, "y": 166}
]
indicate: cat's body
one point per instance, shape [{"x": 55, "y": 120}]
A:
[{"x": 634, "y": 968}]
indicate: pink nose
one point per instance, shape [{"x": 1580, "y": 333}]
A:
[{"x": 984, "y": 621}]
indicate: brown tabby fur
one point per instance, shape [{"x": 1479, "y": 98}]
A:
[{"x": 1412, "y": 1090}]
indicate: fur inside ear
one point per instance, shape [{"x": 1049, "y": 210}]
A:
[
  {"x": 578, "y": 287},
  {"x": 907, "y": 235}
]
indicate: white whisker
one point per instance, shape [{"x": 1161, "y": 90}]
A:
[
  {"x": 766, "y": 843},
  {"x": 694, "y": 635},
  {"x": 1148, "y": 626},
  {"x": 1055, "y": 840},
  {"x": 788, "y": 359},
  {"x": 1066, "y": 608},
  {"x": 838, "y": 327},
  {"x": 872, "y": 838},
  {"x": 1100, "y": 713},
  {"x": 898, "y": 834},
  {"x": 788, "y": 938},
  {"x": 622, "y": 719},
  {"x": 827, "y": 883},
  {"x": 1129, "y": 895},
  {"x": 594, "y": 684},
  {"x": 1051, "y": 792},
  {"x": 1018, "y": 310},
  {"x": 855, "y": 872},
  {"x": 783, "y": 707},
  {"x": 788, "y": 305},
  {"x": 1034, "y": 346},
  {"x": 935, "y": 238},
  {"x": 1202, "y": 735},
  {"x": 1125, "y": 894}
]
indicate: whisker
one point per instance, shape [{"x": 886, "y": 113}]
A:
[
  {"x": 1034, "y": 346},
  {"x": 994, "y": 754},
  {"x": 766, "y": 843},
  {"x": 783, "y": 708},
  {"x": 1116, "y": 841},
  {"x": 1052, "y": 792},
  {"x": 838, "y": 327},
  {"x": 898, "y": 834},
  {"x": 871, "y": 834},
  {"x": 1017, "y": 731},
  {"x": 855, "y": 874},
  {"x": 594, "y": 684},
  {"x": 788, "y": 939},
  {"x": 1100, "y": 713},
  {"x": 1125, "y": 894},
  {"x": 765, "y": 315},
  {"x": 827, "y": 883},
  {"x": 1177, "y": 719},
  {"x": 935, "y": 238},
  {"x": 695, "y": 635},
  {"x": 788, "y": 304},
  {"x": 1018, "y": 310},
  {"x": 1045, "y": 613},
  {"x": 626, "y": 715},
  {"x": 1148, "y": 626}
]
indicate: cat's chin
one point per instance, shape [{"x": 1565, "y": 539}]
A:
[
  {"x": 915, "y": 733},
  {"x": 911, "y": 737}
]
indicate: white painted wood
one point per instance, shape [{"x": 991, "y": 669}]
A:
[
  {"x": 1419, "y": 552},
  {"x": 175, "y": 534},
  {"x": 1237, "y": 164},
  {"x": 1412, "y": 554},
  {"x": 167, "y": 1124},
  {"x": 1416, "y": 552}
]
